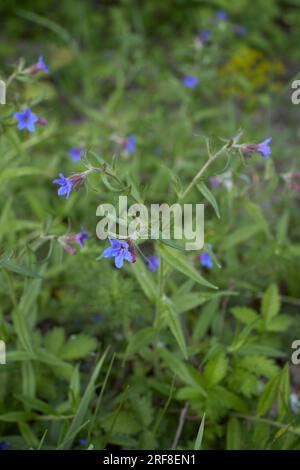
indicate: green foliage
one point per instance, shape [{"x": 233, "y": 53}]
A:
[{"x": 112, "y": 355}]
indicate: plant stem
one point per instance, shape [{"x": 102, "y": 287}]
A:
[{"x": 201, "y": 171}]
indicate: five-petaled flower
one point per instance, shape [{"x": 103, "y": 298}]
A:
[
  {"x": 76, "y": 153},
  {"x": 27, "y": 120},
  {"x": 153, "y": 263},
  {"x": 190, "y": 81},
  {"x": 263, "y": 148},
  {"x": 119, "y": 250},
  {"x": 206, "y": 258},
  {"x": 69, "y": 184},
  {"x": 130, "y": 144}
]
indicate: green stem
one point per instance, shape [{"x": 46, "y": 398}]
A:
[
  {"x": 202, "y": 171},
  {"x": 160, "y": 292}
]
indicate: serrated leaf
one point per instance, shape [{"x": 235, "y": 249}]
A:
[
  {"x": 78, "y": 347},
  {"x": 215, "y": 369}
]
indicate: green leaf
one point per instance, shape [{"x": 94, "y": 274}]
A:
[
  {"x": 23, "y": 270},
  {"x": 209, "y": 196},
  {"x": 270, "y": 303},
  {"x": 233, "y": 435},
  {"x": 179, "y": 369},
  {"x": 179, "y": 262},
  {"x": 10, "y": 173},
  {"x": 239, "y": 236},
  {"x": 80, "y": 415},
  {"x": 268, "y": 395},
  {"x": 54, "y": 340},
  {"x": 199, "y": 438},
  {"x": 257, "y": 215},
  {"x": 78, "y": 347},
  {"x": 139, "y": 340},
  {"x": 284, "y": 393},
  {"x": 172, "y": 320},
  {"x": 144, "y": 278},
  {"x": 259, "y": 365},
  {"x": 244, "y": 314},
  {"x": 215, "y": 369}
]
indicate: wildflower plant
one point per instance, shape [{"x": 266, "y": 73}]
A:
[{"x": 134, "y": 341}]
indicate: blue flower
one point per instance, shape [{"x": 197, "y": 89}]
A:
[
  {"x": 241, "y": 30},
  {"x": 204, "y": 36},
  {"x": 130, "y": 144},
  {"x": 221, "y": 15},
  {"x": 27, "y": 120},
  {"x": 98, "y": 319},
  {"x": 120, "y": 251},
  {"x": 76, "y": 153},
  {"x": 263, "y": 148},
  {"x": 4, "y": 445},
  {"x": 190, "y": 81},
  {"x": 81, "y": 237},
  {"x": 72, "y": 183},
  {"x": 66, "y": 185},
  {"x": 153, "y": 263},
  {"x": 206, "y": 259},
  {"x": 83, "y": 441},
  {"x": 40, "y": 66}
]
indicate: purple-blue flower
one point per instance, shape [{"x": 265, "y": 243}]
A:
[
  {"x": 241, "y": 30},
  {"x": 83, "y": 441},
  {"x": 27, "y": 120},
  {"x": 130, "y": 144},
  {"x": 119, "y": 250},
  {"x": 40, "y": 66},
  {"x": 97, "y": 318},
  {"x": 4, "y": 445},
  {"x": 66, "y": 185},
  {"x": 221, "y": 15},
  {"x": 204, "y": 36},
  {"x": 76, "y": 153},
  {"x": 81, "y": 237},
  {"x": 153, "y": 263},
  {"x": 206, "y": 259},
  {"x": 263, "y": 148},
  {"x": 190, "y": 81}
]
